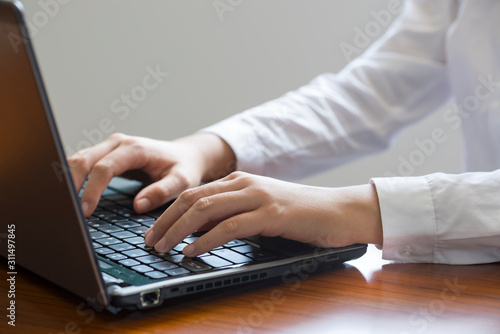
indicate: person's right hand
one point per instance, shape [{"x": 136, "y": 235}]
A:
[{"x": 172, "y": 166}]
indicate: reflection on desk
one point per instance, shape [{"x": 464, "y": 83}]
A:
[{"x": 367, "y": 295}]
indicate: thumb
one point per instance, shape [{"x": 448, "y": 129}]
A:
[{"x": 160, "y": 192}]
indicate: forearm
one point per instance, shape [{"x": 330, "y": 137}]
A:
[{"x": 355, "y": 208}]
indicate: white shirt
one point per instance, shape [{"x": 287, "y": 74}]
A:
[{"x": 434, "y": 52}]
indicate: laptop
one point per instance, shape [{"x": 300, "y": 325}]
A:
[{"x": 103, "y": 259}]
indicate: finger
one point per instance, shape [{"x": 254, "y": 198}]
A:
[
  {"x": 183, "y": 204},
  {"x": 216, "y": 207},
  {"x": 160, "y": 192},
  {"x": 115, "y": 163},
  {"x": 240, "y": 226},
  {"x": 82, "y": 161}
]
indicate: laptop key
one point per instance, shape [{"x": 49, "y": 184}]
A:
[
  {"x": 195, "y": 265},
  {"x": 165, "y": 265},
  {"x": 116, "y": 220},
  {"x": 135, "y": 253},
  {"x": 101, "y": 214},
  {"x": 143, "y": 245},
  {"x": 129, "y": 262},
  {"x": 261, "y": 255},
  {"x": 99, "y": 223},
  {"x": 104, "y": 265},
  {"x": 148, "y": 224},
  {"x": 108, "y": 241},
  {"x": 108, "y": 228},
  {"x": 177, "y": 271},
  {"x": 128, "y": 203},
  {"x": 123, "y": 234},
  {"x": 127, "y": 224},
  {"x": 98, "y": 235},
  {"x": 149, "y": 259},
  {"x": 165, "y": 255},
  {"x": 180, "y": 246},
  {"x": 234, "y": 243},
  {"x": 93, "y": 221},
  {"x": 96, "y": 245},
  {"x": 190, "y": 239},
  {"x": 104, "y": 203},
  {"x": 108, "y": 279},
  {"x": 204, "y": 254},
  {"x": 156, "y": 274},
  {"x": 139, "y": 230},
  {"x": 116, "y": 256},
  {"x": 231, "y": 255},
  {"x": 175, "y": 258},
  {"x": 215, "y": 261},
  {"x": 141, "y": 218},
  {"x": 245, "y": 249},
  {"x": 122, "y": 211},
  {"x": 135, "y": 241},
  {"x": 156, "y": 213},
  {"x": 121, "y": 247},
  {"x": 104, "y": 251},
  {"x": 142, "y": 268}
]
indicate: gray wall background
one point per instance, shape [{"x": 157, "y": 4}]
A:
[{"x": 92, "y": 52}]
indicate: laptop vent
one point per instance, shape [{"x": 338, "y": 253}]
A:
[{"x": 214, "y": 284}]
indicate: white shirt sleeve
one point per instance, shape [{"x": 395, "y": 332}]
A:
[
  {"x": 441, "y": 218},
  {"x": 339, "y": 117}
]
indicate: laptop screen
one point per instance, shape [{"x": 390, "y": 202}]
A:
[{"x": 36, "y": 195}]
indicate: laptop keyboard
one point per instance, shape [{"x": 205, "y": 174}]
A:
[{"x": 118, "y": 235}]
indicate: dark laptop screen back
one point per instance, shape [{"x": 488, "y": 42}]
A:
[{"x": 36, "y": 196}]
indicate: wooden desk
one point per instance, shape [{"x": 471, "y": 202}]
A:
[{"x": 364, "y": 296}]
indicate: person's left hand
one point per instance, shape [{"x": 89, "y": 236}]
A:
[{"x": 242, "y": 205}]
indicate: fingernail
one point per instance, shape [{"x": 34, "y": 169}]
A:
[
  {"x": 161, "y": 246},
  {"x": 189, "y": 250},
  {"x": 150, "y": 239},
  {"x": 143, "y": 205},
  {"x": 85, "y": 208}
]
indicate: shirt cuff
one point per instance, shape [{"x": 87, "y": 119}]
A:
[{"x": 408, "y": 220}]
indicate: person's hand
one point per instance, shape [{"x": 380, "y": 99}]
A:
[
  {"x": 171, "y": 166},
  {"x": 242, "y": 205}
]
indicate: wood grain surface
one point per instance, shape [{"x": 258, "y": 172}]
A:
[{"x": 367, "y": 295}]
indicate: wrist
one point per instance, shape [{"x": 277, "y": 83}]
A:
[
  {"x": 359, "y": 208},
  {"x": 217, "y": 158}
]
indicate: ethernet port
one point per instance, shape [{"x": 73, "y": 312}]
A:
[{"x": 150, "y": 298}]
